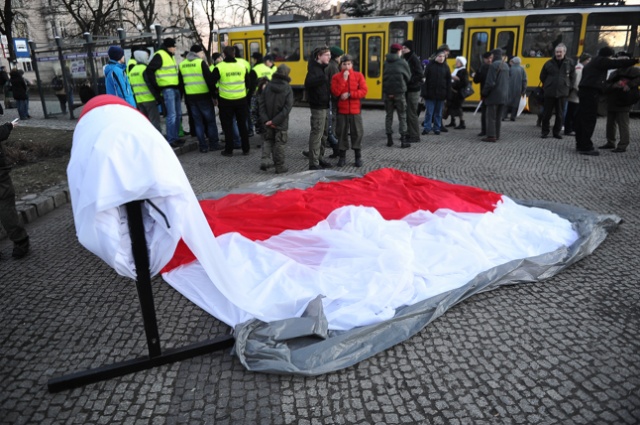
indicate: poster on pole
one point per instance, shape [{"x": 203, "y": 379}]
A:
[{"x": 78, "y": 68}]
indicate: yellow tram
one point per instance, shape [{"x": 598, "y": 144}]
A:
[{"x": 530, "y": 34}]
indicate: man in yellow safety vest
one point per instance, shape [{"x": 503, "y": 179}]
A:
[
  {"x": 145, "y": 100},
  {"x": 232, "y": 78},
  {"x": 197, "y": 83},
  {"x": 162, "y": 77}
]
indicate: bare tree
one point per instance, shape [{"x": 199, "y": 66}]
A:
[
  {"x": 142, "y": 12},
  {"x": 252, "y": 9},
  {"x": 7, "y": 19},
  {"x": 93, "y": 16},
  {"x": 202, "y": 16}
]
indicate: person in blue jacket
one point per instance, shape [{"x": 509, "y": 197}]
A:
[{"x": 115, "y": 76}]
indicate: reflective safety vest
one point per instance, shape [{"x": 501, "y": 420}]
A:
[
  {"x": 140, "y": 89},
  {"x": 130, "y": 62},
  {"x": 231, "y": 85},
  {"x": 194, "y": 82},
  {"x": 167, "y": 75},
  {"x": 263, "y": 70},
  {"x": 245, "y": 62}
]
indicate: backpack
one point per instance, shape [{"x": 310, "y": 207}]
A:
[{"x": 57, "y": 83}]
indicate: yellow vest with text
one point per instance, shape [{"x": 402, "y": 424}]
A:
[
  {"x": 232, "y": 75},
  {"x": 167, "y": 75},
  {"x": 192, "y": 77},
  {"x": 140, "y": 89},
  {"x": 263, "y": 70}
]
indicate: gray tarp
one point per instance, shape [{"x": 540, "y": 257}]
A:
[{"x": 305, "y": 346}]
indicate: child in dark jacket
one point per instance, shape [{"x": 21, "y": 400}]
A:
[
  {"x": 8, "y": 215},
  {"x": 274, "y": 104}
]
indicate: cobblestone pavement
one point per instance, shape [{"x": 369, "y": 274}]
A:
[{"x": 563, "y": 351}]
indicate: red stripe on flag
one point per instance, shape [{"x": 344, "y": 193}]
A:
[{"x": 395, "y": 194}]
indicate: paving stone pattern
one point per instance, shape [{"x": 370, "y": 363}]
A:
[{"x": 563, "y": 351}]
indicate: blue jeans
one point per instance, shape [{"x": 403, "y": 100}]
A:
[
  {"x": 204, "y": 117},
  {"x": 23, "y": 108},
  {"x": 174, "y": 113},
  {"x": 433, "y": 113}
]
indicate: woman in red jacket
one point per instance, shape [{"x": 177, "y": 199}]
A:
[{"x": 349, "y": 87}]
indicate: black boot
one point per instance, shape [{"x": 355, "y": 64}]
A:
[
  {"x": 404, "y": 143},
  {"x": 389, "y": 139},
  {"x": 358, "y": 158},
  {"x": 343, "y": 159},
  {"x": 452, "y": 123},
  {"x": 336, "y": 153},
  {"x": 461, "y": 126}
]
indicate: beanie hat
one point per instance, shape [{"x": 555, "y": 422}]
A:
[
  {"x": 283, "y": 70},
  {"x": 444, "y": 47},
  {"x": 408, "y": 44},
  {"x": 606, "y": 52},
  {"x": 395, "y": 47},
  {"x": 516, "y": 60},
  {"x": 196, "y": 48},
  {"x": 462, "y": 60},
  {"x": 336, "y": 51},
  {"x": 257, "y": 56},
  {"x": 115, "y": 53},
  {"x": 169, "y": 42},
  {"x": 346, "y": 58},
  {"x": 270, "y": 58}
]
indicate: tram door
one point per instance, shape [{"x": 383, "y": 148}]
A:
[
  {"x": 486, "y": 39},
  {"x": 368, "y": 56},
  {"x": 247, "y": 47}
]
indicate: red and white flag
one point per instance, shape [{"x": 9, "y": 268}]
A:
[{"x": 367, "y": 245}]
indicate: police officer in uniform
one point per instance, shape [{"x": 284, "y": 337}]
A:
[
  {"x": 162, "y": 78},
  {"x": 232, "y": 78},
  {"x": 197, "y": 83}
]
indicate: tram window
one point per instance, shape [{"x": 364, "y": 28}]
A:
[
  {"x": 398, "y": 33},
  {"x": 353, "y": 50},
  {"x": 506, "y": 40},
  {"x": 241, "y": 47},
  {"x": 254, "y": 47},
  {"x": 453, "y": 36},
  {"x": 285, "y": 44},
  {"x": 313, "y": 37},
  {"x": 373, "y": 57},
  {"x": 479, "y": 45},
  {"x": 616, "y": 30},
  {"x": 224, "y": 40},
  {"x": 542, "y": 33}
]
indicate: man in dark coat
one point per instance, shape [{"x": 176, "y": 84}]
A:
[
  {"x": 316, "y": 83},
  {"x": 413, "y": 91},
  {"x": 436, "y": 88},
  {"x": 274, "y": 106},
  {"x": 592, "y": 84},
  {"x": 395, "y": 77},
  {"x": 479, "y": 78},
  {"x": 8, "y": 215},
  {"x": 495, "y": 94},
  {"x": 557, "y": 77}
]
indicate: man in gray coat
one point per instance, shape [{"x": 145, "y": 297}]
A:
[
  {"x": 517, "y": 88},
  {"x": 495, "y": 94},
  {"x": 557, "y": 77}
]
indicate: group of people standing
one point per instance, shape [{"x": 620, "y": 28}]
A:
[{"x": 572, "y": 93}]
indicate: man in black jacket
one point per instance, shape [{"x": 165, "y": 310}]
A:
[
  {"x": 318, "y": 95},
  {"x": 557, "y": 77},
  {"x": 479, "y": 78},
  {"x": 592, "y": 84},
  {"x": 8, "y": 214},
  {"x": 413, "y": 91}
]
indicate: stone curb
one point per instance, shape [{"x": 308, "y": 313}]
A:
[{"x": 31, "y": 207}]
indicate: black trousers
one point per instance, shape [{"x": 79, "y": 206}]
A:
[
  {"x": 239, "y": 109},
  {"x": 586, "y": 118},
  {"x": 551, "y": 105}
]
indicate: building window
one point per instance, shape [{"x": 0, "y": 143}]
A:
[{"x": 542, "y": 33}]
